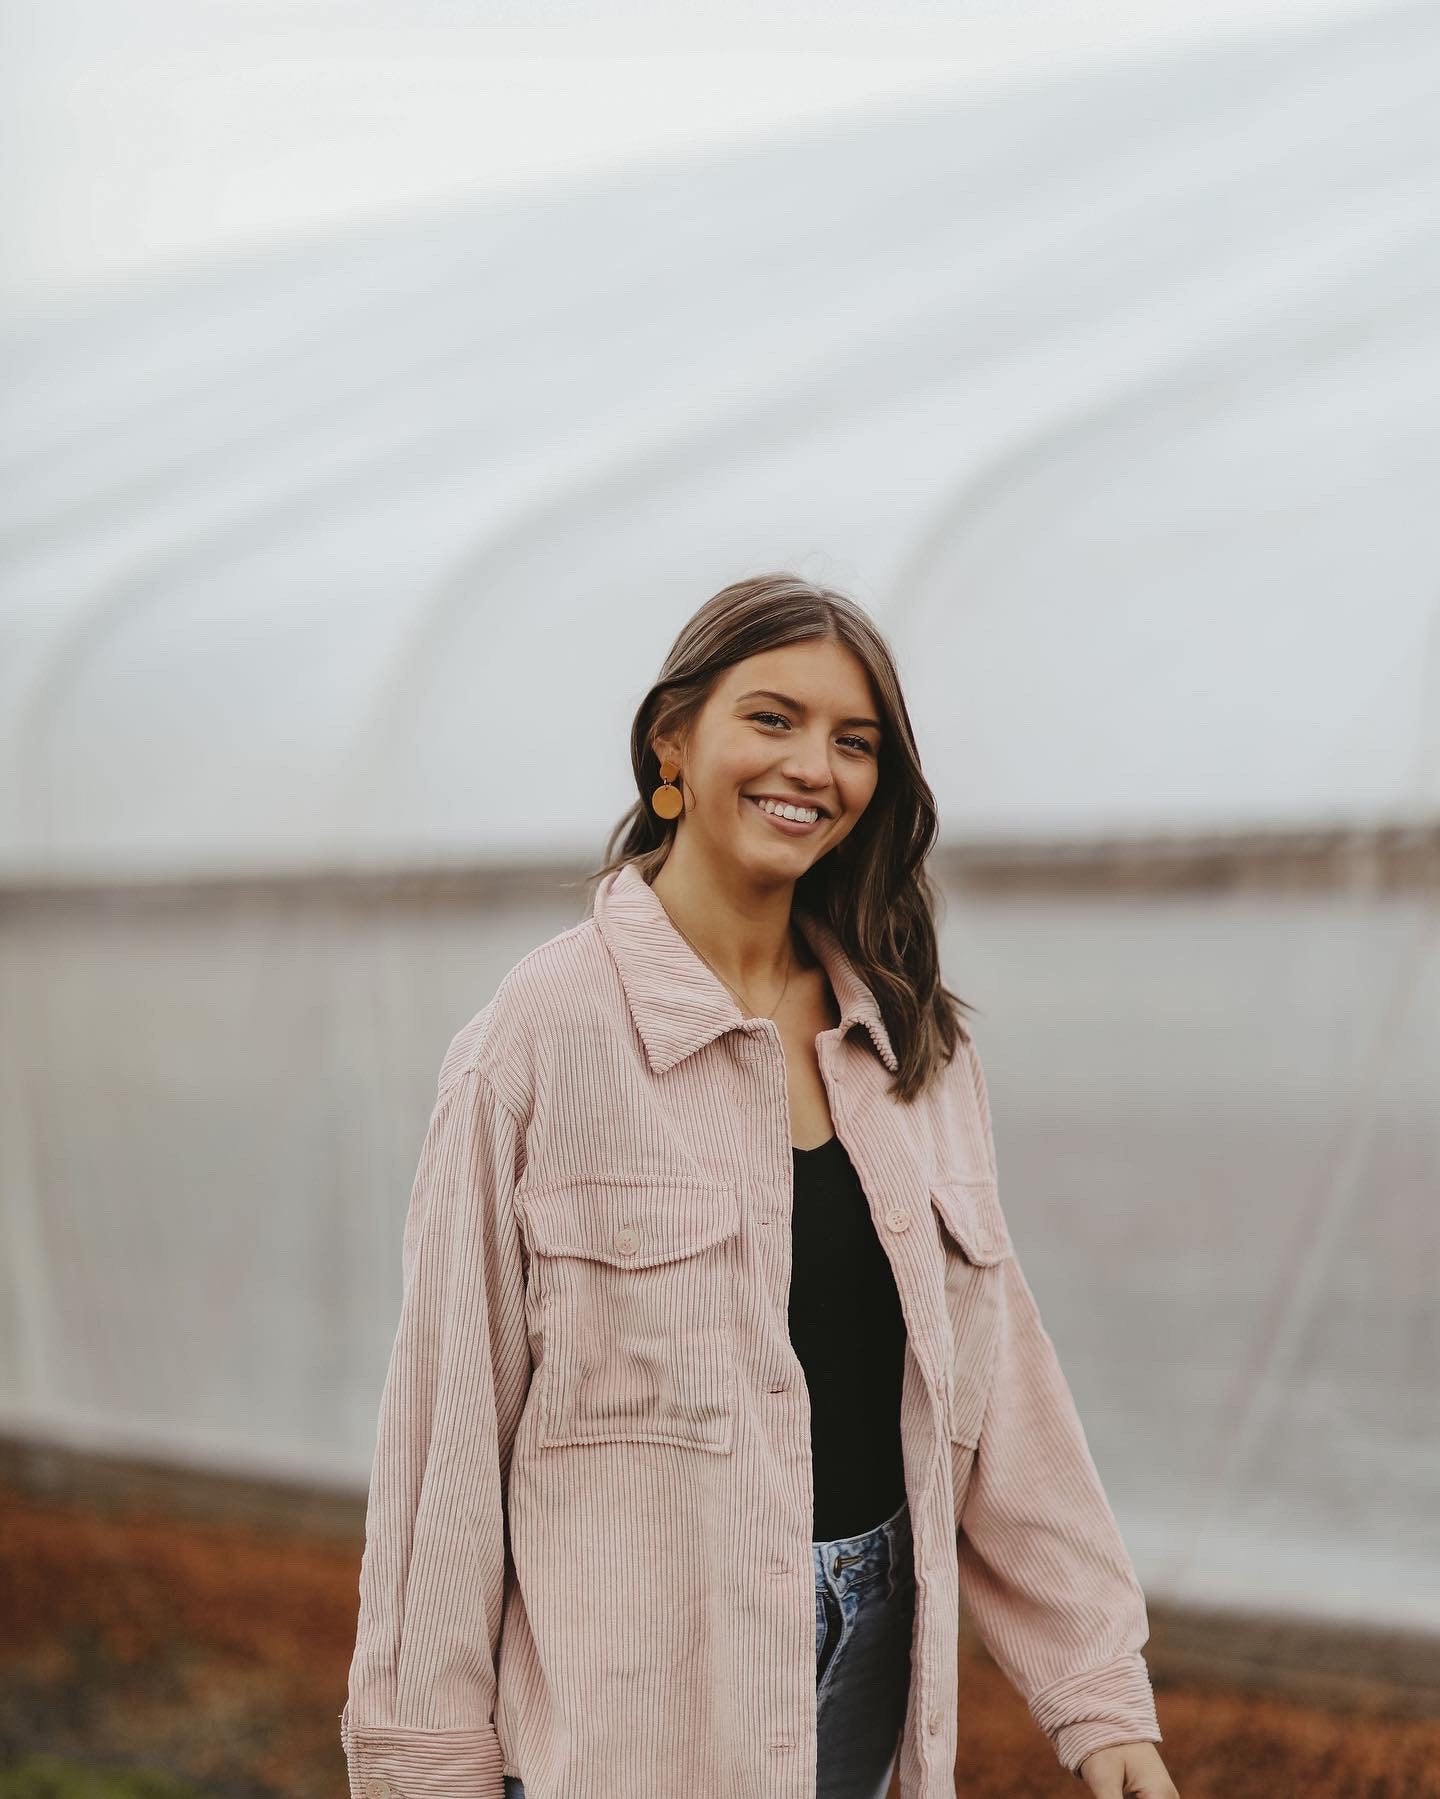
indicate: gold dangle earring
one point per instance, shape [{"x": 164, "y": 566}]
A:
[{"x": 668, "y": 800}]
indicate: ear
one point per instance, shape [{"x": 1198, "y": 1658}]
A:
[{"x": 670, "y": 747}]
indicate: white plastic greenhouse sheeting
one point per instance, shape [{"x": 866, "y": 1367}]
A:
[
  {"x": 1218, "y": 1153},
  {"x": 1111, "y": 398},
  {"x": 1113, "y": 402}
]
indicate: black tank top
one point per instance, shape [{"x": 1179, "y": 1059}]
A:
[{"x": 849, "y": 1334}]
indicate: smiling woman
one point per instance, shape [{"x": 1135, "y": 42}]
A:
[{"x": 713, "y": 1328}]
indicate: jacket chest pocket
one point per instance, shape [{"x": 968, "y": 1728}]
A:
[
  {"x": 635, "y": 1289},
  {"x": 974, "y": 1241}
]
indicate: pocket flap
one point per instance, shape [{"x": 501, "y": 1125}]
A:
[
  {"x": 628, "y": 1223},
  {"x": 970, "y": 1212}
]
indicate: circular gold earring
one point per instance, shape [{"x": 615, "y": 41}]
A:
[{"x": 667, "y": 800}]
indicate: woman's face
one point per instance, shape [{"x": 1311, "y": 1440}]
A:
[{"x": 799, "y": 724}]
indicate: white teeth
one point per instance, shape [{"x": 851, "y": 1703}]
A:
[{"x": 806, "y": 816}]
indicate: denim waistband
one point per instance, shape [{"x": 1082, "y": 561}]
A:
[{"x": 884, "y": 1548}]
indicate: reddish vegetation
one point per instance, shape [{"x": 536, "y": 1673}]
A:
[{"x": 218, "y": 1651}]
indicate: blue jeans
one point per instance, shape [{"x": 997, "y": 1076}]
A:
[{"x": 864, "y": 1606}]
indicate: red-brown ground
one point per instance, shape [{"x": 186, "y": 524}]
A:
[{"x": 216, "y": 1649}]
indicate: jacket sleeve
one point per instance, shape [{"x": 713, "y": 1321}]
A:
[
  {"x": 420, "y": 1708},
  {"x": 1044, "y": 1573}
]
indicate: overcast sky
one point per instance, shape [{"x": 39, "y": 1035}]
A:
[{"x": 141, "y": 135}]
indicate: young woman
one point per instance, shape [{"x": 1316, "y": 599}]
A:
[{"x": 712, "y": 1327}]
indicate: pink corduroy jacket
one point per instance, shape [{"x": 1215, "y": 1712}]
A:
[{"x": 587, "y": 1554}]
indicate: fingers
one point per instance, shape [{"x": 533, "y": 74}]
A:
[
  {"x": 1122, "y": 1774},
  {"x": 1151, "y": 1784},
  {"x": 1104, "y": 1774}
]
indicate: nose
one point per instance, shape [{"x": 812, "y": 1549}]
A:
[{"x": 808, "y": 766}]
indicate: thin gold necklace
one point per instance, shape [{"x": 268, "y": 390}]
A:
[{"x": 740, "y": 998}]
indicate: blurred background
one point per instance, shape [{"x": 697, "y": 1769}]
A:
[{"x": 381, "y": 386}]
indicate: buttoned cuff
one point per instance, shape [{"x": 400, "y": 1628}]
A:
[
  {"x": 1098, "y": 1709},
  {"x": 390, "y": 1763}
]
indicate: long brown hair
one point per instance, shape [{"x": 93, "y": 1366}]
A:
[{"x": 872, "y": 889}]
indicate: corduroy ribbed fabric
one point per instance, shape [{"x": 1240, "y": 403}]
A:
[{"x": 587, "y": 1549}]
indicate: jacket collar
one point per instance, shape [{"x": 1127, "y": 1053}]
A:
[{"x": 677, "y": 1004}]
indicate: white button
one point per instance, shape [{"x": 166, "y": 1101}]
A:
[
  {"x": 626, "y": 1242},
  {"x": 379, "y": 1788},
  {"x": 934, "y": 1721},
  {"x": 898, "y": 1220}
]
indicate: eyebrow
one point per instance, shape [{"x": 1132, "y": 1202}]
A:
[{"x": 785, "y": 699}]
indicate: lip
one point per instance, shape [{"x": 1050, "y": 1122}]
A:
[{"x": 790, "y": 826}]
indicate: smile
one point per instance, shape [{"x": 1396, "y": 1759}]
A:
[{"x": 793, "y": 827}]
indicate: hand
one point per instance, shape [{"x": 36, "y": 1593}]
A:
[{"x": 1127, "y": 1769}]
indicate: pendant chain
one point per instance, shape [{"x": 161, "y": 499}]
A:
[{"x": 740, "y": 998}]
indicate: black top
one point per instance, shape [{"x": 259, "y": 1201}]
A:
[{"x": 849, "y": 1333}]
